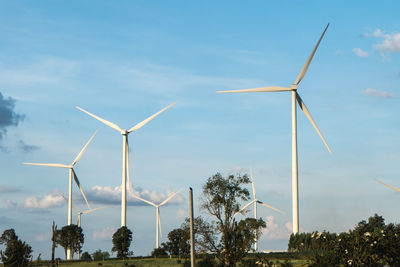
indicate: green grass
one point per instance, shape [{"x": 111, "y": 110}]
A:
[{"x": 167, "y": 262}]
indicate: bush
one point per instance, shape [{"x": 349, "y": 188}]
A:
[{"x": 157, "y": 252}]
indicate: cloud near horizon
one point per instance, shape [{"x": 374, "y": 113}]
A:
[{"x": 275, "y": 232}]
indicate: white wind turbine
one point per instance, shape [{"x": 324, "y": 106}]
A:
[
  {"x": 71, "y": 174},
  {"x": 390, "y": 186},
  {"x": 125, "y": 152},
  {"x": 158, "y": 219},
  {"x": 255, "y": 201},
  {"x": 295, "y": 96}
]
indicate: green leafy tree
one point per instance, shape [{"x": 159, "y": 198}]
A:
[
  {"x": 17, "y": 252},
  {"x": 157, "y": 252},
  {"x": 86, "y": 256},
  {"x": 72, "y": 237},
  {"x": 178, "y": 241},
  {"x": 99, "y": 255},
  {"x": 121, "y": 240},
  {"x": 229, "y": 239}
]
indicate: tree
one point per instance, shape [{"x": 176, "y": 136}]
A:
[
  {"x": 178, "y": 241},
  {"x": 159, "y": 252},
  {"x": 70, "y": 236},
  {"x": 229, "y": 239},
  {"x": 121, "y": 240},
  {"x": 99, "y": 255},
  {"x": 17, "y": 252},
  {"x": 86, "y": 256}
]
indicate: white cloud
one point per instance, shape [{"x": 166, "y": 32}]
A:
[
  {"x": 275, "y": 232},
  {"x": 378, "y": 93},
  {"x": 181, "y": 214},
  {"x": 43, "y": 237},
  {"x": 11, "y": 205},
  {"x": 104, "y": 234},
  {"x": 112, "y": 195},
  {"x": 390, "y": 42},
  {"x": 54, "y": 199},
  {"x": 360, "y": 53}
]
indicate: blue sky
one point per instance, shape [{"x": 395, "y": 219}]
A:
[{"x": 124, "y": 61}]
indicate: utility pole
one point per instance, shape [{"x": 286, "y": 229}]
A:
[{"x": 192, "y": 252}]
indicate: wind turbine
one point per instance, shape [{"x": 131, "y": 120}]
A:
[
  {"x": 125, "y": 151},
  {"x": 295, "y": 97},
  {"x": 255, "y": 201},
  {"x": 158, "y": 219},
  {"x": 71, "y": 174},
  {"x": 394, "y": 188}
]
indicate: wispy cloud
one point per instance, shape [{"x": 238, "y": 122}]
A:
[
  {"x": 27, "y": 148},
  {"x": 378, "y": 93},
  {"x": 43, "y": 237},
  {"x": 104, "y": 234},
  {"x": 8, "y": 116},
  {"x": 360, "y": 53},
  {"x": 9, "y": 189},
  {"x": 112, "y": 196}
]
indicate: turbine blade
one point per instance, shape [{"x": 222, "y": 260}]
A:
[
  {"x": 305, "y": 110},
  {"x": 67, "y": 201},
  {"x": 252, "y": 184},
  {"x": 268, "y": 206},
  {"x": 305, "y": 67},
  {"x": 89, "y": 211},
  {"x": 244, "y": 207},
  {"x": 144, "y": 200},
  {"x": 110, "y": 124},
  {"x": 80, "y": 187},
  {"x": 144, "y": 122},
  {"x": 83, "y": 149},
  {"x": 261, "y": 89},
  {"x": 394, "y": 188},
  {"x": 57, "y": 165},
  {"x": 169, "y": 198}
]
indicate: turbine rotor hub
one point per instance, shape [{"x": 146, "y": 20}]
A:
[
  {"x": 294, "y": 87},
  {"x": 124, "y": 132}
]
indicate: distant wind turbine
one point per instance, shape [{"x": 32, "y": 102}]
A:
[
  {"x": 295, "y": 97},
  {"x": 255, "y": 201},
  {"x": 394, "y": 188},
  {"x": 158, "y": 219},
  {"x": 125, "y": 152},
  {"x": 71, "y": 174}
]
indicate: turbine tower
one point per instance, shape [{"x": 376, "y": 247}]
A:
[
  {"x": 295, "y": 97},
  {"x": 255, "y": 201},
  {"x": 125, "y": 152},
  {"x": 71, "y": 174},
  {"x": 158, "y": 219}
]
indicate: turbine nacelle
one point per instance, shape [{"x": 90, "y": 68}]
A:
[
  {"x": 124, "y": 132},
  {"x": 294, "y": 87}
]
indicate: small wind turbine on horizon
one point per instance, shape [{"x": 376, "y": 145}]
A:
[
  {"x": 295, "y": 98},
  {"x": 72, "y": 174},
  {"x": 158, "y": 219},
  {"x": 390, "y": 186},
  {"x": 255, "y": 201},
  {"x": 125, "y": 152}
]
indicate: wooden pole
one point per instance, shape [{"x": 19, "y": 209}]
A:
[{"x": 192, "y": 252}]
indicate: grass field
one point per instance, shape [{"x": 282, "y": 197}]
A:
[{"x": 155, "y": 262}]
